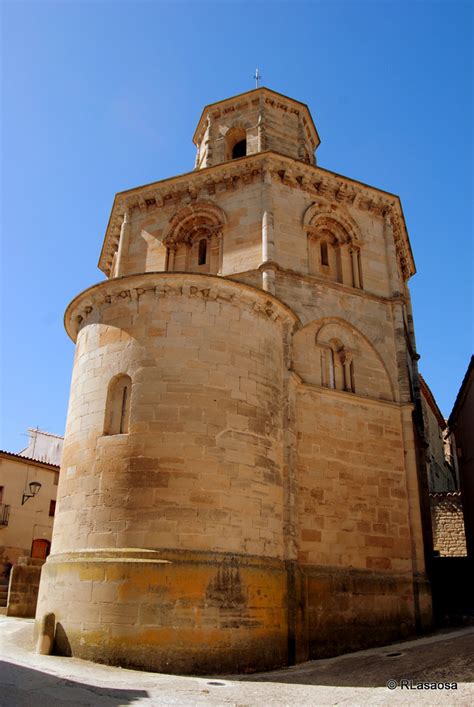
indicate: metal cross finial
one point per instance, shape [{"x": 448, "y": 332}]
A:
[{"x": 257, "y": 77}]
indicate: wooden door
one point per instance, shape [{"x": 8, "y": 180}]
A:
[{"x": 40, "y": 549}]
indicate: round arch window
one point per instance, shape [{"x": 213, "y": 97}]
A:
[{"x": 239, "y": 149}]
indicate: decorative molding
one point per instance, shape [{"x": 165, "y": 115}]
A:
[
  {"x": 344, "y": 323},
  {"x": 86, "y": 307},
  {"x": 191, "y": 218},
  {"x": 333, "y": 218}
]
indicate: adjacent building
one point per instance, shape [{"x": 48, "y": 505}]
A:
[
  {"x": 28, "y": 488},
  {"x": 461, "y": 425},
  {"x": 442, "y": 470}
]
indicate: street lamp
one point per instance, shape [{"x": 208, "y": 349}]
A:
[{"x": 34, "y": 488}]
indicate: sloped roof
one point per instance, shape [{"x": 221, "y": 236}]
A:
[{"x": 28, "y": 460}]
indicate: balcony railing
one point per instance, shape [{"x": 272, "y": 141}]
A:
[{"x": 4, "y": 513}]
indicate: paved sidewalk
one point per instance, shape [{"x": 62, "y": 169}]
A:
[{"x": 354, "y": 679}]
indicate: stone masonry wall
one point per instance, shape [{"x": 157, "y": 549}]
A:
[
  {"x": 182, "y": 517},
  {"x": 242, "y": 249},
  {"x": 23, "y": 587},
  {"x": 449, "y": 538},
  {"x": 352, "y": 488},
  {"x": 201, "y": 465}
]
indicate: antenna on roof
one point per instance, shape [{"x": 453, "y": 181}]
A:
[{"x": 257, "y": 77}]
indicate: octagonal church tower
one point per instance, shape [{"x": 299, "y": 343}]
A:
[{"x": 239, "y": 485}]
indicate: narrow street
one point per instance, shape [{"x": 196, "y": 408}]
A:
[{"x": 354, "y": 679}]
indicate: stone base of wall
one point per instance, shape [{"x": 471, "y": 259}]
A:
[
  {"x": 349, "y": 609},
  {"x": 171, "y": 611},
  {"x": 447, "y": 519},
  {"x": 200, "y": 613},
  {"x": 23, "y": 587}
]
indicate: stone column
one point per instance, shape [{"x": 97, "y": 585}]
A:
[
  {"x": 355, "y": 267},
  {"x": 268, "y": 273},
  {"x": 268, "y": 265},
  {"x": 391, "y": 256},
  {"x": 113, "y": 267},
  {"x": 346, "y": 360},
  {"x": 220, "y": 245},
  {"x": 332, "y": 369},
  {"x": 404, "y": 386},
  {"x": 261, "y": 146},
  {"x": 324, "y": 368},
  {"x": 260, "y": 139},
  {"x": 346, "y": 265},
  {"x": 207, "y": 145},
  {"x": 123, "y": 245},
  {"x": 170, "y": 258},
  {"x": 214, "y": 253}
]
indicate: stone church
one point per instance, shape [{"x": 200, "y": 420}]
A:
[{"x": 240, "y": 479}]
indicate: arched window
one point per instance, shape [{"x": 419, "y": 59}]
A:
[
  {"x": 117, "y": 410},
  {"x": 239, "y": 149},
  {"x": 202, "y": 252},
  {"x": 236, "y": 142},
  {"x": 337, "y": 367},
  {"x": 324, "y": 255},
  {"x": 334, "y": 245},
  {"x": 194, "y": 239}
]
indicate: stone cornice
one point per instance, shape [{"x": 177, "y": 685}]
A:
[
  {"x": 184, "y": 189},
  {"x": 83, "y": 308}
]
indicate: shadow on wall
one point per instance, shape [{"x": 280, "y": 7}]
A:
[{"x": 23, "y": 686}]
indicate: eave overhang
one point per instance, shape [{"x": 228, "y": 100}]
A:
[{"x": 28, "y": 460}]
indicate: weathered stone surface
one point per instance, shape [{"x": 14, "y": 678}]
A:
[
  {"x": 23, "y": 587},
  {"x": 449, "y": 537},
  {"x": 258, "y": 501}
]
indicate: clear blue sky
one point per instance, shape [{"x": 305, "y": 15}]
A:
[{"x": 98, "y": 97}]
